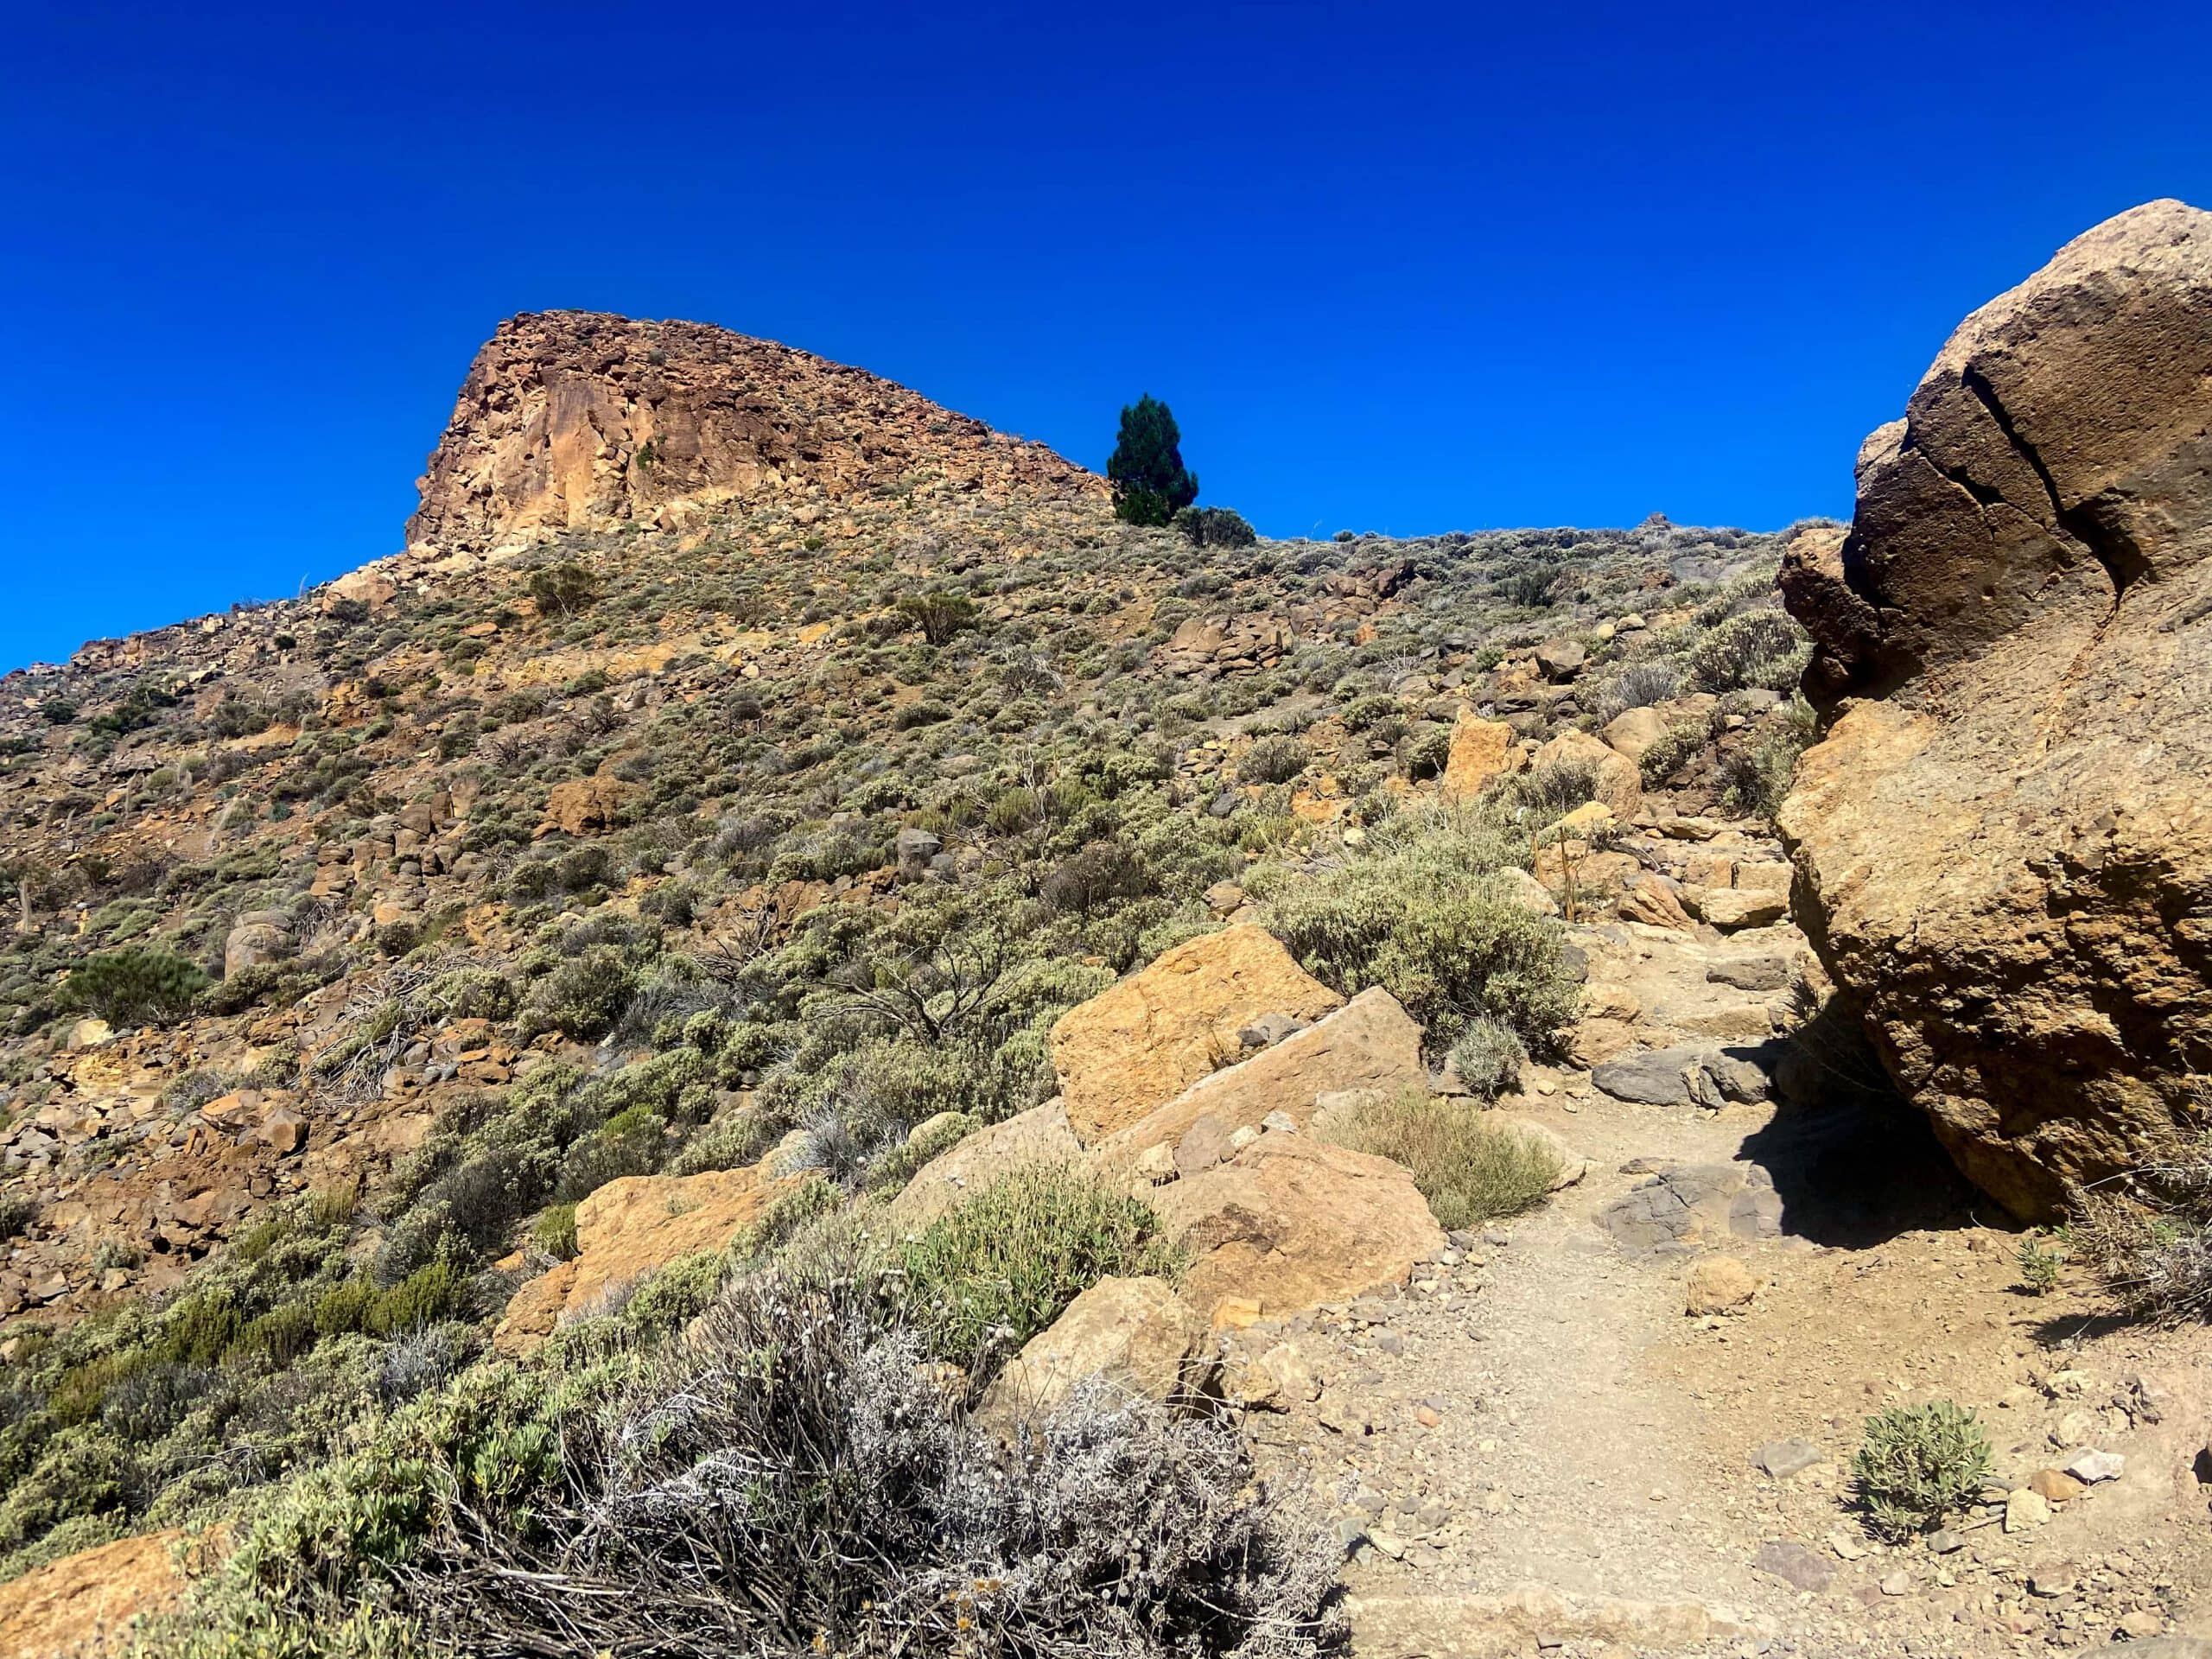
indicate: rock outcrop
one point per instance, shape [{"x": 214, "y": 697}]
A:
[
  {"x": 85, "y": 1606},
  {"x": 575, "y": 419},
  {"x": 2004, "y": 840}
]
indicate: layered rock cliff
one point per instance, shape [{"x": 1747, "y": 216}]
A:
[
  {"x": 576, "y": 420},
  {"x": 2004, "y": 839}
]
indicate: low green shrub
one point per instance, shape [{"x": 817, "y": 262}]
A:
[
  {"x": 990, "y": 1274},
  {"x": 1918, "y": 1465},
  {"x": 135, "y": 984}
]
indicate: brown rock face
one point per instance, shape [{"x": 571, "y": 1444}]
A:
[
  {"x": 577, "y": 418},
  {"x": 83, "y": 1605},
  {"x": 2004, "y": 841}
]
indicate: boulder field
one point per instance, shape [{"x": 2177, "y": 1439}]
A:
[{"x": 2003, "y": 840}]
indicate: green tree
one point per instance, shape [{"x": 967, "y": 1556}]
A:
[{"x": 1151, "y": 483}]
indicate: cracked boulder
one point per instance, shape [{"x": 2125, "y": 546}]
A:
[{"x": 2003, "y": 840}]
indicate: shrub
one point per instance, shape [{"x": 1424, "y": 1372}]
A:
[
  {"x": 562, "y": 589},
  {"x": 992, "y": 1273},
  {"x": 1531, "y": 588},
  {"x": 2148, "y": 1238},
  {"x": 1919, "y": 1464},
  {"x": 1673, "y": 750},
  {"x": 1469, "y": 1168},
  {"x": 1755, "y": 778},
  {"x": 1274, "y": 759},
  {"x": 790, "y": 1481},
  {"x": 1488, "y": 1058},
  {"x": 1151, "y": 483},
  {"x": 1215, "y": 527},
  {"x": 17, "y": 1211},
  {"x": 555, "y": 1232},
  {"x": 1762, "y": 647},
  {"x": 584, "y": 996},
  {"x": 1638, "y": 685},
  {"x": 938, "y": 614},
  {"x": 1413, "y": 914},
  {"x": 135, "y": 984}
]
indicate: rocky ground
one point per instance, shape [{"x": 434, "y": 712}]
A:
[{"x": 1623, "y": 1425}]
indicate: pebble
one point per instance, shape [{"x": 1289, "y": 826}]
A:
[
  {"x": 1793, "y": 1564},
  {"x": 1782, "y": 1459},
  {"x": 2094, "y": 1467},
  {"x": 2024, "y": 1510}
]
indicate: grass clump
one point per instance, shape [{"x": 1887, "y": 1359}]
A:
[
  {"x": 992, "y": 1274},
  {"x": 2148, "y": 1236},
  {"x": 1470, "y": 1169},
  {"x": 1918, "y": 1465}
]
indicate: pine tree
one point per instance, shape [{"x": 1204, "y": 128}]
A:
[{"x": 1151, "y": 483}]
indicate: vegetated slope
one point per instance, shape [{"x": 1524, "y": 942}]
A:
[{"x": 357, "y": 939}]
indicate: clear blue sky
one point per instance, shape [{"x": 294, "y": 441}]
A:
[{"x": 1396, "y": 267}]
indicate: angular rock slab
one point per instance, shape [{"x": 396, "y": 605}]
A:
[
  {"x": 1292, "y": 1221},
  {"x": 2004, "y": 839},
  {"x": 1138, "y": 1044}
]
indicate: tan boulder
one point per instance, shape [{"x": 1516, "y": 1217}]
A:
[
  {"x": 630, "y": 1228},
  {"x": 1039, "y": 1135},
  {"x": 1633, "y": 732},
  {"x": 1136, "y": 1332},
  {"x": 1481, "y": 750},
  {"x": 1369, "y": 1043},
  {"x": 2004, "y": 835},
  {"x": 586, "y": 806},
  {"x": 1620, "y": 785},
  {"x": 83, "y": 1605},
  {"x": 1140, "y": 1043},
  {"x": 1730, "y": 908},
  {"x": 1718, "y": 1284},
  {"x": 1293, "y": 1221}
]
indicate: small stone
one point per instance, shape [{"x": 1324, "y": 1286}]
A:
[
  {"x": 2024, "y": 1510},
  {"x": 2076, "y": 1428},
  {"x": 1793, "y": 1564},
  {"x": 1898, "y": 1583},
  {"x": 1428, "y": 1416},
  {"x": 1944, "y": 1541},
  {"x": 1390, "y": 1543},
  {"x": 1846, "y": 1546},
  {"x": 1281, "y": 1121},
  {"x": 2054, "y": 1487},
  {"x": 2140, "y": 1624},
  {"x": 1782, "y": 1459},
  {"x": 2056, "y": 1581},
  {"x": 2094, "y": 1467}
]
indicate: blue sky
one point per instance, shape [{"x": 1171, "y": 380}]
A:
[{"x": 1396, "y": 267}]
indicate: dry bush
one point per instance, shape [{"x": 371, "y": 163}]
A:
[
  {"x": 2148, "y": 1236},
  {"x": 794, "y": 1478}
]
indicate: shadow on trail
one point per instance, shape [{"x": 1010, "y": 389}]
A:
[{"x": 1853, "y": 1165}]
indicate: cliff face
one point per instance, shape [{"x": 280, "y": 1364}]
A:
[
  {"x": 577, "y": 419},
  {"x": 2004, "y": 839}
]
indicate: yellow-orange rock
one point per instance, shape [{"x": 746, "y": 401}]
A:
[
  {"x": 631, "y": 1228},
  {"x": 1136, "y": 1332},
  {"x": 1293, "y": 1221},
  {"x": 1370, "y": 1043},
  {"x": 83, "y": 1604},
  {"x": 1039, "y": 1135},
  {"x": 1481, "y": 750},
  {"x": 1138, "y": 1043},
  {"x": 586, "y": 806},
  {"x": 1620, "y": 785}
]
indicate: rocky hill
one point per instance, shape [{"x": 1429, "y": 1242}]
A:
[
  {"x": 776, "y": 918},
  {"x": 574, "y": 420}
]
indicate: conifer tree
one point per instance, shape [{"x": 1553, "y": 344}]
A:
[{"x": 1151, "y": 483}]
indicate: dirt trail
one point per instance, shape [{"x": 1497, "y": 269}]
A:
[{"x": 1545, "y": 1455}]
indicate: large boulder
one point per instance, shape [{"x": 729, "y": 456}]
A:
[
  {"x": 633, "y": 1227},
  {"x": 1293, "y": 1221},
  {"x": 2004, "y": 838},
  {"x": 1137, "y": 1333},
  {"x": 1140, "y": 1043},
  {"x": 1620, "y": 785},
  {"x": 85, "y": 1604},
  {"x": 1481, "y": 750},
  {"x": 1370, "y": 1043}
]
